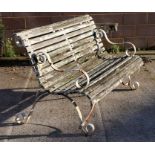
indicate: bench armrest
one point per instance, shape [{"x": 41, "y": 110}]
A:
[
  {"x": 42, "y": 57},
  {"x": 102, "y": 33}
]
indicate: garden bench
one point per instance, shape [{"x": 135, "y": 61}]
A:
[{"x": 69, "y": 57}]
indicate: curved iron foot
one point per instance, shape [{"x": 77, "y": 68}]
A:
[
  {"x": 87, "y": 127},
  {"x": 133, "y": 85},
  {"x": 23, "y": 117}
]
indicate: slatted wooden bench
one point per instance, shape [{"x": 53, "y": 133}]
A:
[{"x": 69, "y": 57}]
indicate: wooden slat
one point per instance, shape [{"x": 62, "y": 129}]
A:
[
  {"x": 62, "y": 56},
  {"x": 112, "y": 69},
  {"x": 98, "y": 66},
  {"x": 74, "y": 45},
  {"x": 69, "y": 66},
  {"x": 59, "y": 45},
  {"x": 83, "y": 65},
  {"x": 66, "y": 49},
  {"x": 79, "y": 52},
  {"x": 94, "y": 72},
  {"x": 93, "y": 90},
  {"x": 65, "y": 78},
  {"x": 70, "y": 59},
  {"x": 114, "y": 81},
  {"x": 52, "y": 53},
  {"x": 94, "y": 63},
  {"x": 53, "y": 27},
  {"x": 51, "y": 35},
  {"x": 61, "y": 41}
]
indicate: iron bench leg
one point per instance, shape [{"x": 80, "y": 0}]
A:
[
  {"x": 86, "y": 127},
  {"x": 23, "y": 118},
  {"x": 132, "y": 84}
]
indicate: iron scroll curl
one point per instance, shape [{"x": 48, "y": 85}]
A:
[
  {"x": 101, "y": 33},
  {"x": 42, "y": 57}
]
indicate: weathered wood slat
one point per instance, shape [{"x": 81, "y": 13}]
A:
[
  {"x": 61, "y": 44},
  {"x": 82, "y": 61},
  {"x": 64, "y": 55},
  {"x": 71, "y": 85},
  {"x": 115, "y": 81},
  {"x": 62, "y": 39},
  {"x": 94, "y": 72},
  {"x": 57, "y": 77},
  {"x": 104, "y": 78},
  {"x": 70, "y": 59},
  {"x": 75, "y": 45},
  {"x": 84, "y": 65},
  {"x": 109, "y": 71},
  {"x": 53, "y": 27},
  {"x": 62, "y": 80},
  {"x": 57, "y": 34},
  {"x": 64, "y": 49}
]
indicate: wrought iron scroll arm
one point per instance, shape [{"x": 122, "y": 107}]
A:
[{"x": 102, "y": 33}]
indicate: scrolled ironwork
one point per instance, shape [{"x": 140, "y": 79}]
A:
[
  {"x": 87, "y": 78},
  {"x": 18, "y": 41},
  {"x": 103, "y": 33},
  {"x": 42, "y": 57},
  {"x": 133, "y": 85}
]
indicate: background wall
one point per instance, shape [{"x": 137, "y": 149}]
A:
[{"x": 138, "y": 28}]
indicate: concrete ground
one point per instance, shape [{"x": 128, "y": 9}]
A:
[{"x": 123, "y": 115}]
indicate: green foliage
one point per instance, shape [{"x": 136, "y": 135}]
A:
[
  {"x": 1, "y": 29},
  {"x": 9, "y": 49},
  {"x": 6, "y": 44},
  {"x": 115, "y": 49}
]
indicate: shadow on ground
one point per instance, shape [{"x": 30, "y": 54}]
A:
[
  {"x": 10, "y": 105},
  {"x": 57, "y": 133},
  {"x": 136, "y": 126}
]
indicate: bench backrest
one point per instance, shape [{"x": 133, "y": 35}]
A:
[{"x": 60, "y": 40}]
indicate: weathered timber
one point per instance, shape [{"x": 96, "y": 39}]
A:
[{"x": 53, "y": 27}]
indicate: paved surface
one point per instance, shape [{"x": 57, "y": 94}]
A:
[{"x": 123, "y": 115}]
